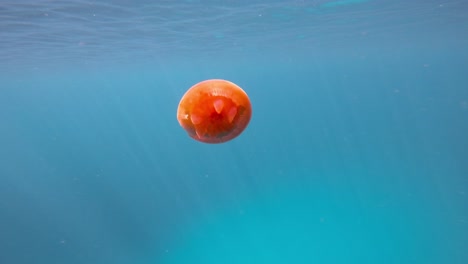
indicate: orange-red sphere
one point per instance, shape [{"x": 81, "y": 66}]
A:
[{"x": 214, "y": 111}]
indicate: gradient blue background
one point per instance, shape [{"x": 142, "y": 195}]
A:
[{"x": 357, "y": 151}]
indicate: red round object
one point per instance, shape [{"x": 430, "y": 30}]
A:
[{"x": 214, "y": 111}]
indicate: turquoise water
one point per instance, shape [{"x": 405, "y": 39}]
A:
[{"x": 357, "y": 151}]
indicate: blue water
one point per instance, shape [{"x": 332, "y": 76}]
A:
[{"x": 357, "y": 151}]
